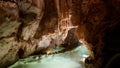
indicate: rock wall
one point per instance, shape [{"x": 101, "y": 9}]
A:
[
  {"x": 24, "y": 23},
  {"x": 18, "y": 25},
  {"x": 95, "y": 19}
]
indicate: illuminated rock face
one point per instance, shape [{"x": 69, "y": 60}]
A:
[
  {"x": 18, "y": 25},
  {"x": 22, "y": 30},
  {"x": 97, "y": 19}
]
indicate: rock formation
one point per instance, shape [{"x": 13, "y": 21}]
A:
[{"x": 28, "y": 26}]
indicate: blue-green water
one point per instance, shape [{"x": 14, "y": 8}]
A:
[{"x": 72, "y": 59}]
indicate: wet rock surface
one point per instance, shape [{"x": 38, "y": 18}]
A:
[{"x": 23, "y": 24}]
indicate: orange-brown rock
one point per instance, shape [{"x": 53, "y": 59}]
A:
[{"x": 24, "y": 25}]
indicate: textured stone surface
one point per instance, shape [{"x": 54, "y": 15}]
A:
[
  {"x": 18, "y": 25},
  {"x": 97, "y": 20},
  {"x": 12, "y": 27},
  {"x": 9, "y": 48}
]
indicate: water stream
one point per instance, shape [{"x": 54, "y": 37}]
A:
[{"x": 71, "y": 59}]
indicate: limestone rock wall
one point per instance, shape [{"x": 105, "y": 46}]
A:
[
  {"x": 18, "y": 25},
  {"x": 23, "y": 24},
  {"x": 96, "y": 18}
]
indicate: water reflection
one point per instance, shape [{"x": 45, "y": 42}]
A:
[{"x": 72, "y": 59}]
